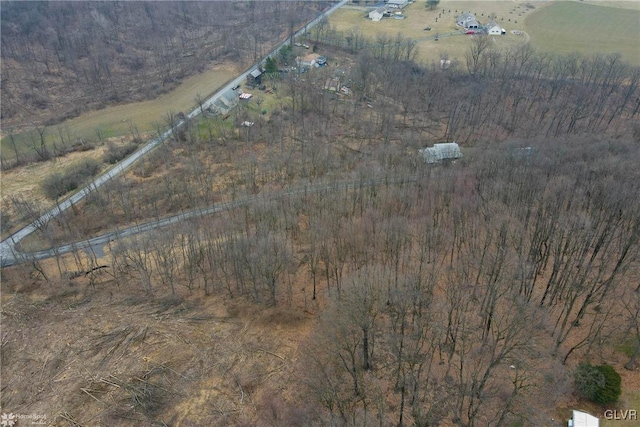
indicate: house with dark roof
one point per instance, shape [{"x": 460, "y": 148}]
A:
[
  {"x": 468, "y": 21},
  {"x": 254, "y": 78}
]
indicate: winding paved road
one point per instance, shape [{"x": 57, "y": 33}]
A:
[
  {"x": 9, "y": 255},
  {"x": 97, "y": 243}
]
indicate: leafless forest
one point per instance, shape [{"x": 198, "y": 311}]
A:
[
  {"x": 60, "y": 59},
  {"x": 456, "y": 294}
]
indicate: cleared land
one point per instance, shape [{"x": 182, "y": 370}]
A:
[
  {"x": 114, "y": 120},
  {"x": 565, "y": 27},
  {"x": 560, "y": 27},
  {"x": 509, "y": 15}
]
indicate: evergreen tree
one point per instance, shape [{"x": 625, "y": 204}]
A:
[
  {"x": 600, "y": 384},
  {"x": 432, "y": 4}
]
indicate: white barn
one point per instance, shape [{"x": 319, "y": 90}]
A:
[
  {"x": 582, "y": 419},
  {"x": 397, "y": 4},
  {"x": 493, "y": 29},
  {"x": 377, "y": 14},
  {"x": 441, "y": 152}
]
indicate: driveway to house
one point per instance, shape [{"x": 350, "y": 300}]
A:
[{"x": 8, "y": 253}]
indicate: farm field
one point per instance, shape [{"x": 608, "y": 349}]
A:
[
  {"x": 565, "y": 27},
  {"x": 117, "y": 120},
  {"x": 144, "y": 114},
  {"x": 441, "y": 21},
  {"x": 551, "y": 26}
]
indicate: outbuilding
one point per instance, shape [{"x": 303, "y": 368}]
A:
[
  {"x": 377, "y": 14},
  {"x": 493, "y": 29},
  {"x": 397, "y": 4},
  {"x": 444, "y": 152},
  {"x": 254, "y": 78},
  {"x": 582, "y": 419}
]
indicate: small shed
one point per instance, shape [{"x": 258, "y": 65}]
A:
[
  {"x": 255, "y": 77},
  {"x": 493, "y": 29},
  {"x": 444, "y": 152},
  {"x": 377, "y": 14},
  {"x": 332, "y": 84},
  {"x": 582, "y": 419}
]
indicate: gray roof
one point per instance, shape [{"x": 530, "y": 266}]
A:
[
  {"x": 439, "y": 152},
  {"x": 256, "y": 73},
  {"x": 466, "y": 17}
]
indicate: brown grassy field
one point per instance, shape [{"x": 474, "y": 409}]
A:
[
  {"x": 511, "y": 15},
  {"x": 115, "y": 124},
  {"x": 566, "y": 27},
  {"x": 117, "y": 120}
]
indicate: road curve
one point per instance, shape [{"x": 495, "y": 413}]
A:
[
  {"x": 100, "y": 241},
  {"x": 9, "y": 255}
]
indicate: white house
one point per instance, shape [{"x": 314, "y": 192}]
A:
[
  {"x": 468, "y": 20},
  {"x": 309, "y": 61},
  {"x": 377, "y": 14},
  {"x": 493, "y": 29},
  {"x": 582, "y": 419},
  {"x": 441, "y": 152},
  {"x": 397, "y": 4}
]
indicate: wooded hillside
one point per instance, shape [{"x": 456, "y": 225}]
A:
[
  {"x": 62, "y": 58},
  {"x": 345, "y": 281}
]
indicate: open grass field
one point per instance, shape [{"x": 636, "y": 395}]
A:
[
  {"x": 567, "y": 26},
  {"x": 117, "y": 120},
  {"x": 113, "y": 120},
  {"x": 552, "y": 26},
  {"x": 509, "y": 14}
]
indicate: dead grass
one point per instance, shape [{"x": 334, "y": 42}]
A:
[
  {"x": 566, "y": 27},
  {"x": 25, "y": 181},
  {"x": 418, "y": 17},
  {"x": 117, "y": 120},
  {"x": 510, "y": 15}
]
